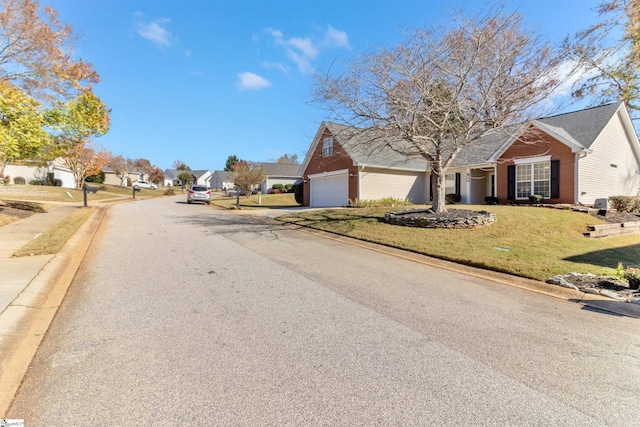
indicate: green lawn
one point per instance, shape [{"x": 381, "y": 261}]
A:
[
  {"x": 526, "y": 241},
  {"x": 256, "y": 201},
  {"x": 51, "y": 241},
  {"x": 59, "y": 194}
]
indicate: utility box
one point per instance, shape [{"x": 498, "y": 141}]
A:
[{"x": 601, "y": 203}]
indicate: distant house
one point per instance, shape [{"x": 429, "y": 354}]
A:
[
  {"x": 279, "y": 173},
  {"x": 575, "y": 158},
  {"x": 199, "y": 177},
  {"x": 37, "y": 171},
  {"x": 111, "y": 178},
  {"x": 222, "y": 180}
]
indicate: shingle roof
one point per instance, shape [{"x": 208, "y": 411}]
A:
[
  {"x": 280, "y": 169},
  {"x": 583, "y": 126},
  {"x": 224, "y": 176}
]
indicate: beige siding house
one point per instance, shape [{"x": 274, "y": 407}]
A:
[{"x": 571, "y": 158}]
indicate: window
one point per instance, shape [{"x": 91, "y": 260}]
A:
[
  {"x": 533, "y": 178},
  {"x": 327, "y": 146},
  {"x": 450, "y": 183}
]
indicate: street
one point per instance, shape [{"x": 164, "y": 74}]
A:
[{"x": 187, "y": 315}]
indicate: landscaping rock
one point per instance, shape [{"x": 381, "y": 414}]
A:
[
  {"x": 453, "y": 218},
  {"x": 598, "y": 285},
  {"x": 560, "y": 281}
]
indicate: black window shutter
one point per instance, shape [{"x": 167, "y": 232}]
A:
[
  {"x": 511, "y": 182},
  {"x": 431, "y": 187},
  {"x": 555, "y": 179},
  {"x": 458, "y": 183}
]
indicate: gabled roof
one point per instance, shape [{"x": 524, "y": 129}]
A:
[
  {"x": 578, "y": 130},
  {"x": 583, "y": 126},
  {"x": 224, "y": 176},
  {"x": 280, "y": 169}
]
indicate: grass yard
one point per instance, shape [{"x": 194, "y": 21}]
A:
[
  {"x": 525, "y": 241},
  {"x": 52, "y": 241},
  {"x": 59, "y": 194},
  {"x": 257, "y": 201}
]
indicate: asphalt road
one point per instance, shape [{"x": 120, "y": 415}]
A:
[{"x": 186, "y": 315}]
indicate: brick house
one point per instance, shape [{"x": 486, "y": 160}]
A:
[{"x": 572, "y": 158}]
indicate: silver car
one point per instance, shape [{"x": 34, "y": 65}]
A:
[{"x": 199, "y": 193}]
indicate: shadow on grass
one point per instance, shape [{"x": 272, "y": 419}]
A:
[
  {"x": 627, "y": 255},
  {"x": 23, "y": 206}
]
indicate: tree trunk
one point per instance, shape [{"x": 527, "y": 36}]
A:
[{"x": 439, "y": 188}]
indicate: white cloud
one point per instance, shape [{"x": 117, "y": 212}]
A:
[
  {"x": 303, "y": 50},
  {"x": 335, "y": 38},
  {"x": 276, "y": 66},
  {"x": 251, "y": 81},
  {"x": 155, "y": 31}
]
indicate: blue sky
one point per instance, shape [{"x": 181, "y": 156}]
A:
[{"x": 200, "y": 80}]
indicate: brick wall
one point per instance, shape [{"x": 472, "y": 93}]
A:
[
  {"x": 534, "y": 145},
  {"x": 337, "y": 161}
]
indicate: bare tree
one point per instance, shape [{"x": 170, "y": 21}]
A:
[
  {"x": 440, "y": 90},
  {"x": 287, "y": 159},
  {"x": 611, "y": 64},
  {"x": 248, "y": 176},
  {"x": 123, "y": 167}
]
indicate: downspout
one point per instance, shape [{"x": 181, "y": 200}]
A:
[
  {"x": 360, "y": 170},
  {"x": 576, "y": 174},
  {"x": 468, "y": 178}
]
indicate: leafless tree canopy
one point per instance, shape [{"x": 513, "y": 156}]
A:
[{"x": 440, "y": 90}]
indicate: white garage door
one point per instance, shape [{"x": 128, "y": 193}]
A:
[{"x": 329, "y": 191}]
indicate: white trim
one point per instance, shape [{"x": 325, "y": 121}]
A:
[
  {"x": 323, "y": 174},
  {"x": 532, "y": 160}
]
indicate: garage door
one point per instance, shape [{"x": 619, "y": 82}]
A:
[{"x": 328, "y": 191}]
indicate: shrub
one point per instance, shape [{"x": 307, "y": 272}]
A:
[
  {"x": 535, "y": 198},
  {"x": 379, "y": 203},
  {"x": 298, "y": 192},
  {"x": 19, "y": 180},
  {"x": 452, "y": 198},
  {"x": 278, "y": 187},
  {"x": 490, "y": 200},
  {"x": 632, "y": 274},
  {"x": 169, "y": 192},
  {"x": 35, "y": 182},
  {"x": 97, "y": 179},
  {"x": 274, "y": 190},
  {"x": 4, "y": 179},
  {"x": 625, "y": 203},
  {"x": 57, "y": 183},
  {"x": 288, "y": 188}
]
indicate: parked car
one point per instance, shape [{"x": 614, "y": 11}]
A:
[
  {"x": 199, "y": 193},
  {"x": 143, "y": 184}
]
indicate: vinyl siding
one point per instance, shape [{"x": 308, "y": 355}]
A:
[
  {"x": 597, "y": 178},
  {"x": 378, "y": 183}
]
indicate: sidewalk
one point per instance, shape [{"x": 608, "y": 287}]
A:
[
  {"x": 32, "y": 289},
  {"x": 17, "y": 273}
]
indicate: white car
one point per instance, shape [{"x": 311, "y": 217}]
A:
[{"x": 143, "y": 184}]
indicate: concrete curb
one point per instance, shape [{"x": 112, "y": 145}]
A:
[{"x": 24, "y": 323}]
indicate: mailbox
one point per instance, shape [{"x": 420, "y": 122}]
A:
[{"x": 88, "y": 189}]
